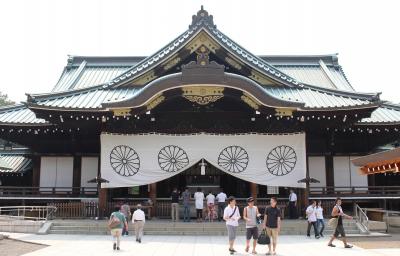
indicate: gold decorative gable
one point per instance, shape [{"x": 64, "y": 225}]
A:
[
  {"x": 284, "y": 111},
  {"x": 203, "y": 95},
  {"x": 171, "y": 63},
  {"x": 260, "y": 78},
  {"x": 155, "y": 102},
  {"x": 122, "y": 112},
  {"x": 231, "y": 61},
  {"x": 250, "y": 101},
  {"x": 202, "y": 39},
  {"x": 144, "y": 79}
]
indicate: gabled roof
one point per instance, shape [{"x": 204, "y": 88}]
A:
[{"x": 203, "y": 23}]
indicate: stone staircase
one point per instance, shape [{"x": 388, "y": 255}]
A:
[{"x": 165, "y": 227}]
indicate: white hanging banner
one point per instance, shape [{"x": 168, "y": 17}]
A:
[{"x": 140, "y": 159}]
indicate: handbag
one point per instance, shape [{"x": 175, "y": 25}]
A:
[
  {"x": 113, "y": 222},
  {"x": 333, "y": 222},
  {"x": 263, "y": 238}
]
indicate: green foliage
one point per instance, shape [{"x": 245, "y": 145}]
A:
[{"x": 4, "y": 100}]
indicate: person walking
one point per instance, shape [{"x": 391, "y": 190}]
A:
[
  {"x": 231, "y": 217},
  {"x": 210, "y": 206},
  {"x": 175, "y": 205},
  {"x": 138, "y": 220},
  {"x": 250, "y": 215},
  {"x": 116, "y": 223},
  {"x": 186, "y": 205},
  {"x": 221, "y": 198},
  {"x": 272, "y": 222},
  {"x": 337, "y": 212},
  {"x": 311, "y": 212},
  {"x": 199, "y": 203},
  {"x": 126, "y": 211},
  {"x": 292, "y": 205},
  {"x": 320, "y": 218}
]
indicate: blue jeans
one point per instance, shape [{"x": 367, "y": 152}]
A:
[
  {"x": 320, "y": 225},
  {"x": 186, "y": 213}
]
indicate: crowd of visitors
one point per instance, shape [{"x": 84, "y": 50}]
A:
[{"x": 221, "y": 207}]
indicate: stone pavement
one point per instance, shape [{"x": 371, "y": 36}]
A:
[{"x": 89, "y": 245}]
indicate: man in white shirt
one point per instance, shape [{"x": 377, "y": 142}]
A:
[
  {"x": 311, "y": 212},
  {"x": 210, "y": 206},
  {"x": 221, "y": 198},
  {"x": 199, "y": 204},
  {"x": 292, "y": 205},
  {"x": 138, "y": 220}
]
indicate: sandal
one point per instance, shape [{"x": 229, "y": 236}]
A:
[
  {"x": 348, "y": 246},
  {"x": 331, "y": 245},
  {"x": 253, "y": 252},
  {"x": 247, "y": 249}
]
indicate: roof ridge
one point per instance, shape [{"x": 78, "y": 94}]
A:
[{"x": 65, "y": 93}]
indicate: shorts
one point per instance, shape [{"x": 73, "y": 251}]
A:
[
  {"x": 273, "y": 234},
  {"x": 252, "y": 232},
  {"x": 231, "y": 232},
  {"x": 339, "y": 230},
  {"x": 116, "y": 231}
]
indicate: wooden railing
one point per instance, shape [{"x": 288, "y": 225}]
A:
[
  {"x": 14, "y": 191},
  {"x": 76, "y": 210},
  {"x": 362, "y": 191}
]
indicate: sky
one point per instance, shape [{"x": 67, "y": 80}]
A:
[{"x": 38, "y": 35}]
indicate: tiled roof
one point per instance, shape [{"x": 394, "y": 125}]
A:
[
  {"x": 86, "y": 99},
  {"x": 386, "y": 114},
  {"x": 314, "y": 75},
  {"x": 19, "y": 114},
  {"x": 89, "y": 76},
  {"x": 316, "y": 98},
  {"x": 16, "y": 163}
]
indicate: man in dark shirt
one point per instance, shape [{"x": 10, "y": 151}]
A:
[
  {"x": 272, "y": 222},
  {"x": 175, "y": 205}
]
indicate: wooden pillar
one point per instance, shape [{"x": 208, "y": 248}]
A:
[
  {"x": 36, "y": 172},
  {"x": 329, "y": 172},
  {"x": 102, "y": 201},
  {"x": 76, "y": 176},
  {"x": 153, "y": 198},
  {"x": 253, "y": 190}
]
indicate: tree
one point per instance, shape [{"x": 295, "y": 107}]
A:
[{"x": 4, "y": 101}]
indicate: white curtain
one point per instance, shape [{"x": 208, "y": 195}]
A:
[{"x": 266, "y": 159}]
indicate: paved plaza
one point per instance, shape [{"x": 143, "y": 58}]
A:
[{"x": 88, "y": 245}]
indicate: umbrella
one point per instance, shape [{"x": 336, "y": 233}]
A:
[
  {"x": 308, "y": 180},
  {"x": 98, "y": 180}
]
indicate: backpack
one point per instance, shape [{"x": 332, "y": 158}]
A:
[{"x": 114, "y": 221}]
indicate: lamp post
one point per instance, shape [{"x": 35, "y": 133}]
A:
[{"x": 98, "y": 180}]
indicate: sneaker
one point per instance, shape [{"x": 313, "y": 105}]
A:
[
  {"x": 114, "y": 246},
  {"x": 117, "y": 248},
  {"x": 317, "y": 237},
  {"x": 348, "y": 246},
  {"x": 140, "y": 240},
  {"x": 331, "y": 245},
  {"x": 321, "y": 235}
]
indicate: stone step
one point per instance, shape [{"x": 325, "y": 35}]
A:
[
  {"x": 165, "y": 232},
  {"x": 162, "y": 227}
]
